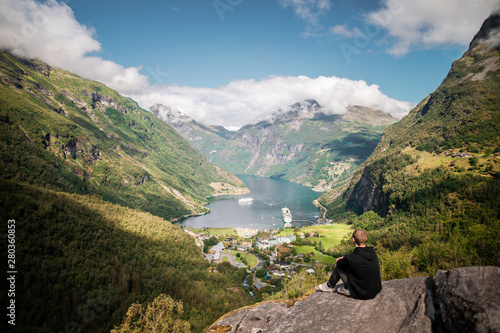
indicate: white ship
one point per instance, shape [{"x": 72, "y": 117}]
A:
[
  {"x": 245, "y": 200},
  {"x": 286, "y": 215}
]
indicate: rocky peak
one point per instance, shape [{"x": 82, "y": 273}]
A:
[
  {"x": 38, "y": 66},
  {"x": 460, "y": 300},
  {"x": 168, "y": 115},
  {"x": 308, "y": 105},
  {"x": 311, "y": 109},
  {"x": 490, "y": 31},
  {"x": 305, "y": 109}
]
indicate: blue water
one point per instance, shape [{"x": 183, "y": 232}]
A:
[{"x": 270, "y": 195}]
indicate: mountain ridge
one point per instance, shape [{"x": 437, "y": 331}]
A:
[{"x": 301, "y": 144}]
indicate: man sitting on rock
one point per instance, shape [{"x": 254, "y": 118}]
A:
[{"x": 359, "y": 270}]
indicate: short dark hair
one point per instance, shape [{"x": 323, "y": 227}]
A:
[{"x": 359, "y": 236}]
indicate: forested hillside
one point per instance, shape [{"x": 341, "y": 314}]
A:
[
  {"x": 430, "y": 192},
  {"x": 90, "y": 182},
  {"x": 62, "y": 132},
  {"x": 82, "y": 262}
]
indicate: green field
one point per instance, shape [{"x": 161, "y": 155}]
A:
[
  {"x": 333, "y": 233},
  {"x": 426, "y": 160},
  {"x": 251, "y": 259},
  {"x": 317, "y": 255}
]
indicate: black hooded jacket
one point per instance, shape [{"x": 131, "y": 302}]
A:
[{"x": 363, "y": 270}]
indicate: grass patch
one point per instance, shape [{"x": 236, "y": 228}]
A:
[
  {"x": 305, "y": 249},
  {"x": 250, "y": 258},
  {"x": 317, "y": 255},
  {"x": 333, "y": 233},
  {"x": 324, "y": 258},
  {"x": 431, "y": 161}
]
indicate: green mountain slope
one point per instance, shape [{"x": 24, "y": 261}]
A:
[
  {"x": 62, "y": 132},
  {"x": 303, "y": 144},
  {"x": 434, "y": 179}
]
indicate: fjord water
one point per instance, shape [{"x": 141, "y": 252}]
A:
[{"x": 270, "y": 195}]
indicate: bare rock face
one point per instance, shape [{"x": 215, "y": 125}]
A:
[
  {"x": 367, "y": 196},
  {"x": 469, "y": 299},
  {"x": 461, "y": 300},
  {"x": 253, "y": 318}
]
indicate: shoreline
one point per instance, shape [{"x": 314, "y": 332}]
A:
[
  {"x": 234, "y": 191},
  {"x": 221, "y": 189},
  {"x": 321, "y": 208}
]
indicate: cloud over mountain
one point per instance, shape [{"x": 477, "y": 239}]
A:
[
  {"x": 247, "y": 101},
  {"x": 49, "y": 31},
  {"x": 430, "y": 23}
]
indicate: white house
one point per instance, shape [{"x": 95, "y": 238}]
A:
[
  {"x": 266, "y": 243},
  {"x": 270, "y": 242},
  {"x": 217, "y": 251},
  {"x": 286, "y": 239}
]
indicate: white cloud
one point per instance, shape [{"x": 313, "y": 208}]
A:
[
  {"x": 248, "y": 101},
  {"x": 494, "y": 35},
  {"x": 344, "y": 31},
  {"x": 430, "y": 23},
  {"x": 309, "y": 10},
  {"x": 49, "y": 31},
  {"x": 494, "y": 38}
]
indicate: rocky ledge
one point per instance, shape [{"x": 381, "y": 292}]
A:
[{"x": 461, "y": 300}]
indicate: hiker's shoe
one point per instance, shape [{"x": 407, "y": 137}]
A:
[
  {"x": 343, "y": 290},
  {"x": 324, "y": 288}
]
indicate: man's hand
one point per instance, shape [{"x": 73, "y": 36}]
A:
[{"x": 339, "y": 259}]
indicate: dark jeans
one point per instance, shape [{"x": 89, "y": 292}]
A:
[{"x": 338, "y": 274}]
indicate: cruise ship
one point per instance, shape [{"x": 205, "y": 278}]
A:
[
  {"x": 286, "y": 214},
  {"x": 287, "y": 217},
  {"x": 245, "y": 200}
]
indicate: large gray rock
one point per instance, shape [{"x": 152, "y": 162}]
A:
[
  {"x": 469, "y": 299},
  {"x": 461, "y": 300}
]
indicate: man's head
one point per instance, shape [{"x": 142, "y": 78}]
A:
[{"x": 359, "y": 237}]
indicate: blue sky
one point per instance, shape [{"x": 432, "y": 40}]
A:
[
  {"x": 212, "y": 59},
  {"x": 189, "y": 44}
]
